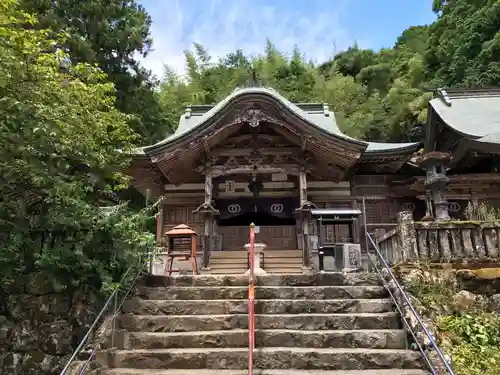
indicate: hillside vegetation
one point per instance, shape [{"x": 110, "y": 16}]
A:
[
  {"x": 376, "y": 95},
  {"x": 74, "y": 96}
]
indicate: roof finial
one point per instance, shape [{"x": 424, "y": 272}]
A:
[{"x": 253, "y": 80}]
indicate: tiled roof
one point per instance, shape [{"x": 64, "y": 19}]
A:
[
  {"x": 474, "y": 114},
  {"x": 317, "y": 115}
]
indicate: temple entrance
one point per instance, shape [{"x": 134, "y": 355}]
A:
[
  {"x": 275, "y": 219},
  {"x": 258, "y": 218}
]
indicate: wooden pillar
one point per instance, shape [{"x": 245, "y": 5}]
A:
[
  {"x": 208, "y": 216},
  {"x": 303, "y": 187},
  {"x": 159, "y": 224},
  {"x": 304, "y": 217},
  {"x": 208, "y": 184},
  {"x": 356, "y": 227},
  {"x": 159, "y": 235}
]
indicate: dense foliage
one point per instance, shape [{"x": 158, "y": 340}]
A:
[
  {"x": 464, "y": 44},
  {"x": 377, "y": 95},
  {"x": 110, "y": 34},
  {"x": 72, "y": 93},
  {"x": 473, "y": 339},
  {"x": 59, "y": 163},
  {"x": 468, "y": 332}
]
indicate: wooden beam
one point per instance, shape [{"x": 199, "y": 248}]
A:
[
  {"x": 248, "y": 151},
  {"x": 272, "y": 139},
  {"x": 327, "y": 185},
  {"x": 221, "y": 170},
  {"x": 273, "y": 185}
]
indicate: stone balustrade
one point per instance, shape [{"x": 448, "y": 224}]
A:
[{"x": 439, "y": 241}]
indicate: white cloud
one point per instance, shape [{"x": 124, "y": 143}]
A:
[{"x": 223, "y": 26}]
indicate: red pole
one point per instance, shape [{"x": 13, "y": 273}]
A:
[
  {"x": 252, "y": 254},
  {"x": 251, "y": 299},
  {"x": 251, "y": 329}
]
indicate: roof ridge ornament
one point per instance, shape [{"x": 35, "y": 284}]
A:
[
  {"x": 443, "y": 95},
  {"x": 326, "y": 109},
  {"x": 253, "y": 80},
  {"x": 253, "y": 117}
]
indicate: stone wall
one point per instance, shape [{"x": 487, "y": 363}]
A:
[{"x": 40, "y": 326}]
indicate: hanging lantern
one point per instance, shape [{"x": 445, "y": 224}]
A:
[{"x": 255, "y": 186}]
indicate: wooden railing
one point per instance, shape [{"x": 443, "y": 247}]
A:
[{"x": 439, "y": 241}]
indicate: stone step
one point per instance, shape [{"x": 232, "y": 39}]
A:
[
  {"x": 186, "y": 323},
  {"x": 129, "y": 371},
  {"x": 214, "y": 307},
  {"x": 238, "y": 338},
  {"x": 234, "y": 254},
  {"x": 283, "y": 253},
  {"x": 228, "y": 263},
  {"x": 321, "y": 279},
  {"x": 228, "y": 271},
  {"x": 268, "y": 292},
  {"x": 229, "y": 254},
  {"x": 266, "y": 358},
  {"x": 283, "y": 269},
  {"x": 282, "y": 261},
  {"x": 320, "y": 292}
]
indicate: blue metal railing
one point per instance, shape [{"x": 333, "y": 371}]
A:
[
  {"x": 117, "y": 303},
  {"x": 406, "y": 300}
]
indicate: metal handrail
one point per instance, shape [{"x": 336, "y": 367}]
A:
[
  {"x": 251, "y": 301},
  {"x": 116, "y": 308},
  {"x": 417, "y": 316}
]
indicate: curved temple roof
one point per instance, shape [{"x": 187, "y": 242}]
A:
[
  {"x": 473, "y": 114},
  {"x": 316, "y": 115},
  {"x": 464, "y": 122}
]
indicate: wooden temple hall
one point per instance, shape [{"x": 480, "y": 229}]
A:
[{"x": 311, "y": 190}]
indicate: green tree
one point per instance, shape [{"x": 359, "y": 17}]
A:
[
  {"x": 415, "y": 38},
  {"x": 464, "y": 44},
  {"x": 375, "y": 96},
  {"x": 59, "y": 163},
  {"x": 110, "y": 34},
  {"x": 352, "y": 61}
]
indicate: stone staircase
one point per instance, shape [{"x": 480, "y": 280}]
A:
[
  {"x": 227, "y": 262},
  {"x": 337, "y": 324},
  {"x": 283, "y": 261}
]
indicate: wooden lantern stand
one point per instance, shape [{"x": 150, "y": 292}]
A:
[{"x": 181, "y": 243}]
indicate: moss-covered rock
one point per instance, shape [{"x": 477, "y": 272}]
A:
[
  {"x": 484, "y": 281},
  {"x": 462, "y": 308}
]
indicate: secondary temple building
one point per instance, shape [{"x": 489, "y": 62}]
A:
[{"x": 257, "y": 157}]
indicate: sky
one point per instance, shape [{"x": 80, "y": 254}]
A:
[{"x": 320, "y": 28}]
